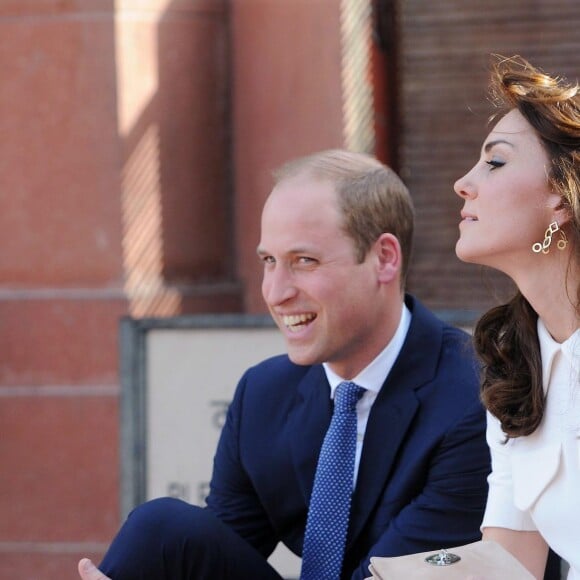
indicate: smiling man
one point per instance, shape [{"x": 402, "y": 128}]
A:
[
  {"x": 315, "y": 285},
  {"x": 399, "y": 469}
]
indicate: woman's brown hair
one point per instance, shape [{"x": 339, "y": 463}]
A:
[{"x": 506, "y": 337}]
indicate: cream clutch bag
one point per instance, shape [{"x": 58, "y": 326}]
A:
[{"x": 484, "y": 560}]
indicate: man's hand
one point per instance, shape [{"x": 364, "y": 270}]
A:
[{"x": 88, "y": 571}]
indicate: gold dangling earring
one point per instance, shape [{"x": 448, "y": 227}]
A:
[
  {"x": 544, "y": 246},
  {"x": 563, "y": 241}
]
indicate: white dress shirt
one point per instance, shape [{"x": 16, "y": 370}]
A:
[
  {"x": 535, "y": 480},
  {"x": 372, "y": 378}
]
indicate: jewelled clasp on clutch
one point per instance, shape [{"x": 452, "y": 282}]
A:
[{"x": 442, "y": 558}]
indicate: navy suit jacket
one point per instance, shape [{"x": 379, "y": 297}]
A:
[{"x": 422, "y": 477}]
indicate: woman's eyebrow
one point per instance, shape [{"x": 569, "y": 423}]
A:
[{"x": 492, "y": 144}]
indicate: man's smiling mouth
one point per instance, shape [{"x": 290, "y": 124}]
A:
[{"x": 295, "y": 322}]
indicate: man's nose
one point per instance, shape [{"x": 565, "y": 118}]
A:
[{"x": 278, "y": 286}]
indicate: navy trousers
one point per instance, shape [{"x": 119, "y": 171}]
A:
[{"x": 168, "y": 539}]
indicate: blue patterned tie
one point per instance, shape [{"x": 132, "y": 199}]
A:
[{"x": 327, "y": 523}]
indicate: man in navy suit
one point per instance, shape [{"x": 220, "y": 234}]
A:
[{"x": 335, "y": 246}]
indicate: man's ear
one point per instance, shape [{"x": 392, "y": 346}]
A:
[{"x": 389, "y": 258}]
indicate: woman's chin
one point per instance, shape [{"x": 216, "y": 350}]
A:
[{"x": 463, "y": 253}]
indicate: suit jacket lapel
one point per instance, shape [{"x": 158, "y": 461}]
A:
[
  {"x": 393, "y": 411},
  {"x": 388, "y": 423}
]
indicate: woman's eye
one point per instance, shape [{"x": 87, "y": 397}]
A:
[{"x": 495, "y": 164}]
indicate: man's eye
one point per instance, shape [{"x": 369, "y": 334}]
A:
[
  {"x": 305, "y": 260},
  {"x": 268, "y": 259},
  {"x": 494, "y": 163}
]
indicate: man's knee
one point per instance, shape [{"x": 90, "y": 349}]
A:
[
  {"x": 161, "y": 538},
  {"x": 169, "y": 538},
  {"x": 168, "y": 519}
]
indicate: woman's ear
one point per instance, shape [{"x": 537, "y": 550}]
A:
[
  {"x": 562, "y": 215},
  {"x": 561, "y": 210},
  {"x": 389, "y": 258}
]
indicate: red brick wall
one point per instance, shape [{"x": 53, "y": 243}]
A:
[{"x": 115, "y": 187}]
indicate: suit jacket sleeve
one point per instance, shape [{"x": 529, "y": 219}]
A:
[{"x": 232, "y": 496}]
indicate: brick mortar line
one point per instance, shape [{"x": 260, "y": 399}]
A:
[
  {"x": 52, "y": 547},
  {"x": 60, "y": 391}
]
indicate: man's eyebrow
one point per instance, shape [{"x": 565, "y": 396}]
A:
[
  {"x": 492, "y": 144},
  {"x": 292, "y": 251}
]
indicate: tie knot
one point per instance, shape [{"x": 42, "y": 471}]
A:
[{"x": 346, "y": 397}]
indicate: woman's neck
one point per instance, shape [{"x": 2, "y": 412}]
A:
[{"x": 553, "y": 294}]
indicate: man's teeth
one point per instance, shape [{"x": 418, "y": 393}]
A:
[{"x": 297, "y": 319}]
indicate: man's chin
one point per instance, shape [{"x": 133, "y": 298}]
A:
[{"x": 302, "y": 358}]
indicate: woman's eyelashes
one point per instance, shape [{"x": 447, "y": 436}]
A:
[{"x": 494, "y": 164}]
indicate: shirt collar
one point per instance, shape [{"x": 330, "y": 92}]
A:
[
  {"x": 571, "y": 350},
  {"x": 374, "y": 374},
  {"x": 549, "y": 348}
]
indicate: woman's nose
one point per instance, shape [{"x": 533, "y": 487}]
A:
[{"x": 464, "y": 187}]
